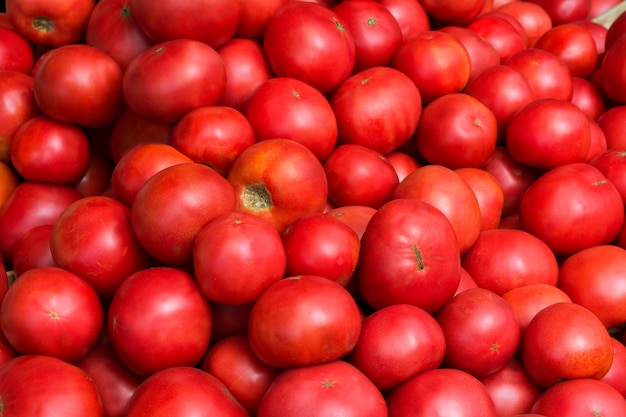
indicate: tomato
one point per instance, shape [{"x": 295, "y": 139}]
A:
[
  {"x": 16, "y": 53},
  {"x": 409, "y": 14},
  {"x": 615, "y": 30},
  {"x": 279, "y": 180},
  {"x": 489, "y": 194},
  {"x": 579, "y": 396},
  {"x": 357, "y": 217},
  {"x": 612, "y": 123},
  {"x": 236, "y": 256},
  {"x": 613, "y": 80},
  {"x": 112, "y": 29},
  {"x": 378, "y": 108},
  {"x": 559, "y": 206},
  {"x": 289, "y": 108},
  {"x": 50, "y": 24},
  {"x": 232, "y": 361},
  {"x": 157, "y": 82},
  {"x": 183, "y": 390},
  {"x": 323, "y": 389},
  {"x": 390, "y": 355},
  {"x": 458, "y": 13},
  {"x": 598, "y": 144},
  {"x": 457, "y": 131},
  {"x": 566, "y": 341},
  {"x": 281, "y": 332},
  {"x": 502, "y": 31},
  {"x": 131, "y": 129},
  {"x": 402, "y": 163},
  {"x": 561, "y": 11},
  {"x": 615, "y": 375},
  {"x": 610, "y": 163},
  {"x": 481, "y": 52},
  {"x": 532, "y": 17},
  {"x": 210, "y": 22},
  {"x": 309, "y": 42},
  {"x": 588, "y": 98},
  {"x": 159, "y": 318},
  {"x": 442, "y": 391},
  {"x": 254, "y": 17},
  {"x": 409, "y": 254},
  {"x": 33, "y": 250},
  {"x": 25, "y": 388},
  {"x": 51, "y": 311}
]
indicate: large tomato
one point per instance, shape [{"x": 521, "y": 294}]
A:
[
  {"x": 574, "y": 45},
  {"x": 16, "y": 53},
  {"x": 588, "y": 97},
  {"x": 489, "y": 194},
  {"x": 33, "y": 250},
  {"x": 613, "y": 80},
  {"x": 578, "y": 397},
  {"x": 565, "y": 11},
  {"x": 615, "y": 375},
  {"x": 254, "y": 17},
  {"x": 409, "y": 14},
  {"x": 532, "y": 17},
  {"x": 502, "y": 31},
  {"x": 481, "y": 52}
]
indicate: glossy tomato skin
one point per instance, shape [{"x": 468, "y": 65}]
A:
[
  {"x": 582, "y": 395},
  {"x": 531, "y": 16},
  {"x": 574, "y": 45},
  {"x": 481, "y": 52},
  {"x": 281, "y": 310},
  {"x": 489, "y": 194},
  {"x": 588, "y": 97},
  {"x": 16, "y": 53},
  {"x": 25, "y": 389},
  {"x": 159, "y": 318},
  {"x": 51, "y": 311},
  {"x": 610, "y": 162},
  {"x": 565, "y": 11},
  {"x": 613, "y": 81},
  {"x": 254, "y": 17},
  {"x": 183, "y": 390},
  {"x": 410, "y": 15},
  {"x": 33, "y": 250},
  {"x": 323, "y": 389},
  {"x": 502, "y": 31},
  {"x": 409, "y": 254},
  {"x": 357, "y": 217}
]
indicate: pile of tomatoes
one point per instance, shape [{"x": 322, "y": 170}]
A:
[{"x": 368, "y": 208}]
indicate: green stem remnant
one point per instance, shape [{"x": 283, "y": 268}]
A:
[
  {"x": 43, "y": 24},
  {"x": 420, "y": 259}
]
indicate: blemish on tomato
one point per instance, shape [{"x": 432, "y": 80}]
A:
[{"x": 326, "y": 384}]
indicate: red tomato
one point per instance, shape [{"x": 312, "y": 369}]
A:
[
  {"x": 48, "y": 23},
  {"x": 580, "y": 396},
  {"x": 16, "y": 53},
  {"x": 402, "y": 163},
  {"x": 288, "y": 108},
  {"x": 466, "y": 282},
  {"x": 613, "y": 122},
  {"x": 502, "y": 31},
  {"x": 309, "y": 42},
  {"x": 615, "y": 375},
  {"x": 184, "y": 391},
  {"x": 409, "y": 14},
  {"x": 236, "y": 256},
  {"x": 560, "y": 205},
  {"x": 588, "y": 98},
  {"x": 456, "y": 13},
  {"x": 357, "y": 217},
  {"x": 409, "y": 254},
  {"x": 389, "y": 355},
  {"x": 280, "y": 329},
  {"x": 442, "y": 391},
  {"x": 481, "y": 52},
  {"x": 323, "y": 390},
  {"x": 565, "y": 11},
  {"x": 26, "y": 390},
  {"x": 79, "y": 84},
  {"x": 613, "y": 80},
  {"x": 254, "y": 17},
  {"x": 212, "y": 22},
  {"x": 598, "y": 144},
  {"x": 33, "y": 250},
  {"x": 6, "y": 350},
  {"x": 279, "y": 180},
  {"x": 232, "y": 361},
  {"x": 612, "y": 164},
  {"x": 489, "y": 194},
  {"x": 51, "y": 311},
  {"x": 532, "y": 17},
  {"x": 159, "y": 318},
  {"x": 566, "y": 341}
]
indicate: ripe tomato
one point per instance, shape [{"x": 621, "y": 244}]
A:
[
  {"x": 357, "y": 217},
  {"x": 9, "y": 180},
  {"x": 613, "y": 80},
  {"x": 579, "y": 396},
  {"x": 532, "y": 17},
  {"x": 488, "y": 193},
  {"x": 409, "y": 14},
  {"x": 588, "y": 98},
  {"x": 502, "y": 31},
  {"x": 16, "y": 53},
  {"x": 615, "y": 375},
  {"x": 565, "y": 11},
  {"x": 254, "y": 17},
  {"x": 481, "y": 52},
  {"x": 33, "y": 250}
]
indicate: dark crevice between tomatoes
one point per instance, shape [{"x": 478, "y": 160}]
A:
[
  {"x": 43, "y": 24},
  {"x": 257, "y": 198},
  {"x": 418, "y": 256}
]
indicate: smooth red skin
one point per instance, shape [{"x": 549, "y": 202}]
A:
[
  {"x": 504, "y": 91},
  {"x": 568, "y": 11},
  {"x": 504, "y": 259},
  {"x": 565, "y": 341},
  {"x": 160, "y": 83},
  {"x": 44, "y": 150},
  {"x": 449, "y": 64},
  {"x": 236, "y": 256},
  {"x": 458, "y": 13},
  {"x": 322, "y": 245},
  {"x": 592, "y": 278},
  {"x": 376, "y": 32},
  {"x": 210, "y": 22},
  {"x": 456, "y": 200},
  {"x": 25, "y": 389},
  {"x": 489, "y": 194},
  {"x": 232, "y": 361},
  {"x": 69, "y": 19},
  {"x": 323, "y": 389},
  {"x": 31, "y": 204},
  {"x": 548, "y": 75},
  {"x": 388, "y": 251},
  {"x": 616, "y": 373},
  {"x": 457, "y": 131},
  {"x": 115, "y": 382},
  {"x": 15, "y": 52},
  {"x": 17, "y": 105},
  {"x": 79, "y": 84},
  {"x": 140, "y": 163},
  {"x": 598, "y": 32},
  {"x": 131, "y": 129},
  {"x": 275, "y": 330},
  {"x": 512, "y": 390},
  {"x": 291, "y": 174},
  {"x": 533, "y": 18},
  {"x": 183, "y": 390},
  {"x": 445, "y": 391},
  {"x": 548, "y": 133},
  {"x": 159, "y": 318},
  {"x": 247, "y": 67},
  {"x": 613, "y": 81},
  {"x": 112, "y": 29},
  {"x": 403, "y": 163},
  {"x": 409, "y": 14},
  {"x": 526, "y": 301},
  {"x": 396, "y": 343},
  {"x": 598, "y": 141},
  {"x": 611, "y": 163},
  {"x": 33, "y": 250},
  {"x": 358, "y": 175},
  {"x": 580, "y": 396},
  {"x": 480, "y": 330},
  {"x": 615, "y": 31},
  {"x": 103, "y": 257},
  {"x": 6, "y": 350},
  {"x": 254, "y": 17},
  {"x": 229, "y": 320},
  {"x": 613, "y": 123},
  {"x": 588, "y": 98},
  {"x": 569, "y": 198},
  {"x": 357, "y": 217},
  {"x": 481, "y": 52},
  {"x": 51, "y": 311},
  {"x": 309, "y": 42},
  {"x": 378, "y": 108},
  {"x": 504, "y": 35},
  {"x": 288, "y": 108},
  {"x": 466, "y": 282}
]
